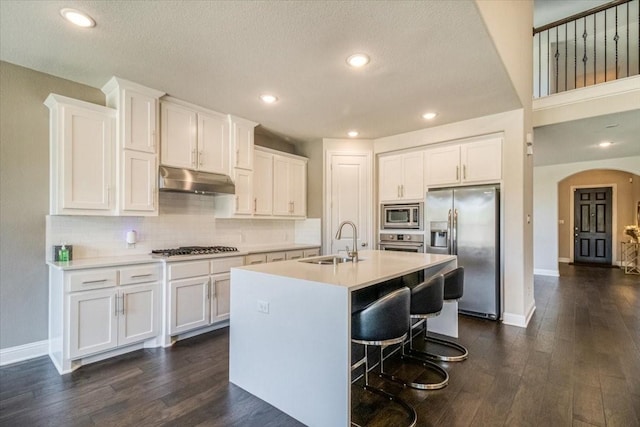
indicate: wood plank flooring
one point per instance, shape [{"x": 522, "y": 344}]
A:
[{"x": 577, "y": 364}]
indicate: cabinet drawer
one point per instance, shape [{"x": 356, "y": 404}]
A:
[
  {"x": 294, "y": 255},
  {"x": 140, "y": 274},
  {"x": 92, "y": 279},
  {"x": 224, "y": 265},
  {"x": 276, "y": 256},
  {"x": 311, "y": 252},
  {"x": 182, "y": 270},
  {"x": 255, "y": 259}
]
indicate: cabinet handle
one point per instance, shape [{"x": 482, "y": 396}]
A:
[
  {"x": 398, "y": 191},
  {"x": 237, "y": 156},
  {"x": 108, "y": 195},
  {"x": 137, "y": 276},
  {"x": 89, "y": 282},
  {"x": 153, "y": 197},
  {"x": 213, "y": 289},
  {"x": 402, "y": 190},
  {"x": 293, "y": 206},
  {"x": 116, "y": 312},
  {"x": 464, "y": 171},
  {"x": 199, "y": 158},
  {"x": 153, "y": 138},
  {"x": 209, "y": 289},
  {"x": 193, "y": 157},
  {"x": 457, "y": 173},
  {"x": 255, "y": 204},
  {"x": 237, "y": 202},
  {"x": 123, "y": 305}
]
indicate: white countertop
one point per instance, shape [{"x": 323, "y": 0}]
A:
[
  {"x": 79, "y": 264},
  {"x": 373, "y": 267}
]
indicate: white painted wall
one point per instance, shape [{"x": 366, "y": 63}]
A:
[{"x": 545, "y": 201}]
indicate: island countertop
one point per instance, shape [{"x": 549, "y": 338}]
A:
[{"x": 373, "y": 267}]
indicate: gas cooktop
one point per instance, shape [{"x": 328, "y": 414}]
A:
[{"x": 193, "y": 250}]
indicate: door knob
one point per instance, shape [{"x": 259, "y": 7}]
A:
[{"x": 576, "y": 234}]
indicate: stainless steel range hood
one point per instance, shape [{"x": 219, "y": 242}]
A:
[{"x": 190, "y": 181}]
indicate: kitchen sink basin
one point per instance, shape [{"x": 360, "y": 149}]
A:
[{"x": 328, "y": 260}]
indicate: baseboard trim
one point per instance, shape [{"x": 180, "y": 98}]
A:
[
  {"x": 543, "y": 272},
  {"x": 518, "y": 319},
  {"x": 564, "y": 260},
  {"x": 20, "y": 353}
]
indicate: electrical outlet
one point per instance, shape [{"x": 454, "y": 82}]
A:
[{"x": 263, "y": 307}]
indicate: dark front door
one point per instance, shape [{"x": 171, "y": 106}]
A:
[{"x": 592, "y": 225}]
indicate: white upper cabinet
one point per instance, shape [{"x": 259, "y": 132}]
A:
[
  {"x": 244, "y": 192},
  {"x": 193, "y": 138},
  {"x": 242, "y": 137},
  {"x": 262, "y": 183},
  {"x": 213, "y": 143},
  {"x": 139, "y": 191},
  {"x": 81, "y": 157},
  {"x": 401, "y": 177},
  {"x": 482, "y": 160},
  {"x": 178, "y": 136},
  {"x": 136, "y": 145},
  {"x": 470, "y": 162},
  {"x": 289, "y": 186},
  {"x": 137, "y": 114}
]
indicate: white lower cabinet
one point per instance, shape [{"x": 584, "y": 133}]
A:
[
  {"x": 311, "y": 252},
  {"x": 99, "y": 310},
  {"x": 203, "y": 300}
]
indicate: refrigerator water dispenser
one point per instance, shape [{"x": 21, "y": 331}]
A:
[{"x": 439, "y": 234}]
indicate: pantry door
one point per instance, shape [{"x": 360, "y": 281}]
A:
[{"x": 349, "y": 198}]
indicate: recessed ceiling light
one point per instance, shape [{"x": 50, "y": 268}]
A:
[
  {"x": 353, "y": 133},
  {"x": 78, "y": 18},
  {"x": 605, "y": 144},
  {"x": 429, "y": 116},
  {"x": 268, "y": 98},
  {"x": 358, "y": 60}
]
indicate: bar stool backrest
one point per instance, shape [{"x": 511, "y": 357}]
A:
[
  {"x": 428, "y": 296},
  {"x": 454, "y": 284},
  {"x": 384, "y": 319}
]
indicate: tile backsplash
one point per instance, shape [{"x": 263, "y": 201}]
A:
[{"x": 184, "y": 219}]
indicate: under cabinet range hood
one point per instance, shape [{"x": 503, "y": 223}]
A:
[{"x": 190, "y": 181}]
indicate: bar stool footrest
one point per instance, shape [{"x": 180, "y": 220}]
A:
[{"x": 464, "y": 353}]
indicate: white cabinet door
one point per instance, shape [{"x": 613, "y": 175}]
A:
[
  {"x": 86, "y": 168},
  {"x": 262, "y": 183},
  {"x": 190, "y": 305},
  {"x": 244, "y": 192},
  {"x": 178, "y": 136},
  {"x": 443, "y": 165},
  {"x": 139, "y": 116},
  {"x": 213, "y": 143},
  {"x": 481, "y": 161},
  {"x": 242, "y": 138},
  {"x": 93, "y": 321},
  {"x": 311, "y": 252},
  {"x": 139, "y": 182},
  {"x": 298, "y": 187},
  {"x": 294, "y": 255},
  {"x": 138, "y": 310},
  {"x": 390, "y": 178},
  {"x": 281, "y": 199},
  {"x": 412, "y": 176},
  {"x": 276, "y": 256},
  {"x": 255, "y": 259},
  {"x": 220, "y": 303}
]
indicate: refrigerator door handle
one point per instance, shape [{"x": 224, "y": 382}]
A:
[
  {"x": 455, "y": 232},
  {"x": 449, "y": 234}
]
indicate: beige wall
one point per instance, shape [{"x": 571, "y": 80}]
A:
[
  {"x": 626, "y": 197},
  {"x": 24, "y": 198},
  {"x": 264, "y": 138}
]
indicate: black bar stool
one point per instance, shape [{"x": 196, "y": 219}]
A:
[
  {"x": 426, "y": 301},
  {"x": 453, "y": 290},
  {"x": 382, "y": 323}
]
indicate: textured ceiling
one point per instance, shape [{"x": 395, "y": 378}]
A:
[{"x": 433, "y": 55}]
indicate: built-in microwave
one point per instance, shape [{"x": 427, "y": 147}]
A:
[{"x": 404, "y": 216}]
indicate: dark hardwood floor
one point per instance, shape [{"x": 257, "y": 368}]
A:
[{"x": 577, "y": 364}]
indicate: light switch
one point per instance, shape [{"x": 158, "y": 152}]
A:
[{"x": 263, "y": 306}]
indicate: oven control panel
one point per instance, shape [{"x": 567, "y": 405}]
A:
[{"x": 389, "y": 237}]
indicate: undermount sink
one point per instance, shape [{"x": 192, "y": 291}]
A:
[{"x": 328, "y": 260}]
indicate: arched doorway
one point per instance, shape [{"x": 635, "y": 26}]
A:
[{"x": 594, "y": 206}]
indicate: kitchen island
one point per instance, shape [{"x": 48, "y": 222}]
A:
[{"x": 291, "y": 325}]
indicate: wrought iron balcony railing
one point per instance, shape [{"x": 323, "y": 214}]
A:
[{"x": 596, "y": 46}]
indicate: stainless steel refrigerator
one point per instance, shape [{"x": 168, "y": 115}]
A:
[{"x": 465, "y": 221}]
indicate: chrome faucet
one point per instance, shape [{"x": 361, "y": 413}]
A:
[{"x": 351, "y": 254}]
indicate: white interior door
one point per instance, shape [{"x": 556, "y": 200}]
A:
[{"x": 349, "y": 196}]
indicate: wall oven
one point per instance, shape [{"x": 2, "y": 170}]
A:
[
  {"x": 401, "y": 242},
  {"x": 405, "y": 216}
]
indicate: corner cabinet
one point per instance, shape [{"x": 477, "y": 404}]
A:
[
  {"x": 467, "y": 163},
  {"x": 82, "y": 179},
  {"x": 401, "y": 177},
  {"x": 98, "y": 311}
]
